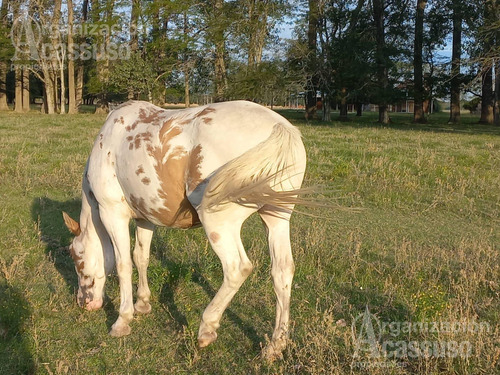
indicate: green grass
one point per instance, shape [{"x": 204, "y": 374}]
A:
[{"x": 415, "y": 239}]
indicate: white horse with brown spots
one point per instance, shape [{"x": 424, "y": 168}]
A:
[{"x": 213, "y": 165}]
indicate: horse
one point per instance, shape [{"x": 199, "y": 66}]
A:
[{"x": 213, "y": 166}]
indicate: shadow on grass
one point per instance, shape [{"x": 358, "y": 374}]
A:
[
  {"x": 181, "y": 271},
  {"x": 53, "y": 232},
  {"x": 15, "y": 355},
  {"x": 247, "y": 328},
  {"x": 386, "y": 308},
  {"x": 56, "y": 237},
  {"x": 167, "y": 298}
]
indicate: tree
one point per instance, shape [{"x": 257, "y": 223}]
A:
[
  {"x": 253, "y": 23},
  {"x": 136, "y": 74},
  {"x": 216, "y": 28},
  {"x": 257, "y": 26},
  {"x": 80, "y": 67},
  {"x": 381, "y": 60},
  {"x": 487, "y": 41},
  {"x": 436, "y": 29},
  {"x": 58, "y": 55},
  {"x": 37, "y": 38},
  {"x": 6, "y": 47},
  {"x": 19, "y": 57},
  {"x": 343, "y": 57},
  {"x": 26, "y": 90},
  {"x": 134, "y": 39},
  {"x": 487, "y": 94},
  {"x": 71, "y": 62},
  {"x": 457, "y": 19},
  {"x": 102, "y": 14},
  {"x": 418, "y": 115},
  {"x": 311, "y": 59}
]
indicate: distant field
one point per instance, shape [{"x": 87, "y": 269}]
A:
[{"x": 416, "y": 239}]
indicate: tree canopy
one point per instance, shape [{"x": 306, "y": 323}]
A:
[{"x": 343, "y": 52}]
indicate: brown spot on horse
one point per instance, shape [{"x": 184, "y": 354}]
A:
[
  {"x": 215, "y": 237},
  {"x": 177, "y": 211},
  {"x": 194, "y": 172},
  {"x": 205, "y": 112},
  {"x": 149, "y": 117}
]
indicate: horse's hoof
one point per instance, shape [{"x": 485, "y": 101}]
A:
[
  {"x": 206, "y": 339},
  {"x": 93, "y": 305},
  {"x": 273, "y": 351},
  {"x": 120, "y": 331},
  {"x": 142, "y": 307}
]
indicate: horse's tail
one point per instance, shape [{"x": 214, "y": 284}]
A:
[{"x": 268, "y": 174}]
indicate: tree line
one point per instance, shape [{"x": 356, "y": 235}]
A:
[
  {"x": 346, "y": 52},
  {"x": 382, "y": 51}
]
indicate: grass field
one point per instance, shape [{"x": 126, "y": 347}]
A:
[{"x": 415, "y": 239}]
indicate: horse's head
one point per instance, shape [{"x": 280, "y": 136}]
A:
[{"x": 89, "y": 265}]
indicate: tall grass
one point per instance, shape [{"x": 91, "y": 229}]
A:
[{"x": 416, "y": 240}]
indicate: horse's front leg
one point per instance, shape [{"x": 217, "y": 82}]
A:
[
  {"x": 116, "y": 224},
  {"x": 143, "y": 236}
]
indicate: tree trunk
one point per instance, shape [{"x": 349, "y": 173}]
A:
[
  {"x": 419, "y": 114},
  {"x": 257, "y": 17},
  {"x": 455, "y": 63},
  {"x": 380, "y": 57},
  {"x": 487, "y": 95},
  {"x": 63, "y": 85},
  {"x": 487, "y": 116},
  {"x": 186, "y": 60},
  {"x": 3, "y": 86},
  {"x": 134, "y": 38},
  {"x": 50, "y": 105},
  {"x": 3, "y": 63},
  {"x": 497, "y": 90},
  {"x": 220, "y": 72},
  {"x": 55, "y": 86},
  {"x": 326, "y": 108},
  {"x": 102, "y": 58},
  {"x": 134, "y": 18},
  {"x": 26, "y": 90},
  {"x": 186, "y": 88},
  {"x": 79, "y": 66},
  {"x": 18, "y": 89},
  {"x": 359, "y": 109},
  {"x": 79, "y": 87},
  {"x": 220, "y": 51},
  {"x": 311, "y": 85},
  {"x": 71, "y": 87},
  {"x": 343, "y": 105},
  {"x": 56, "y": 56},
  {"x": 71, "y": 63}
]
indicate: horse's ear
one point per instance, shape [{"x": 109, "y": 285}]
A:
[{"x": 72, "y": 225}]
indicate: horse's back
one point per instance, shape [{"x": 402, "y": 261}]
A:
[{"x": 146, "y": 161}]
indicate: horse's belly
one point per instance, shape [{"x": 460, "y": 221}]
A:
[
  {"x": 172, "y": 214},
  {"x": 163, "y": 204},
  {"x": 154, "y": 185}
]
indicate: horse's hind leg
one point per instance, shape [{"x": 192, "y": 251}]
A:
[
  {"x": 223, "y": 231},
  {"x": 277, "y": 224},
  {"x": 143, "y": 236}
]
